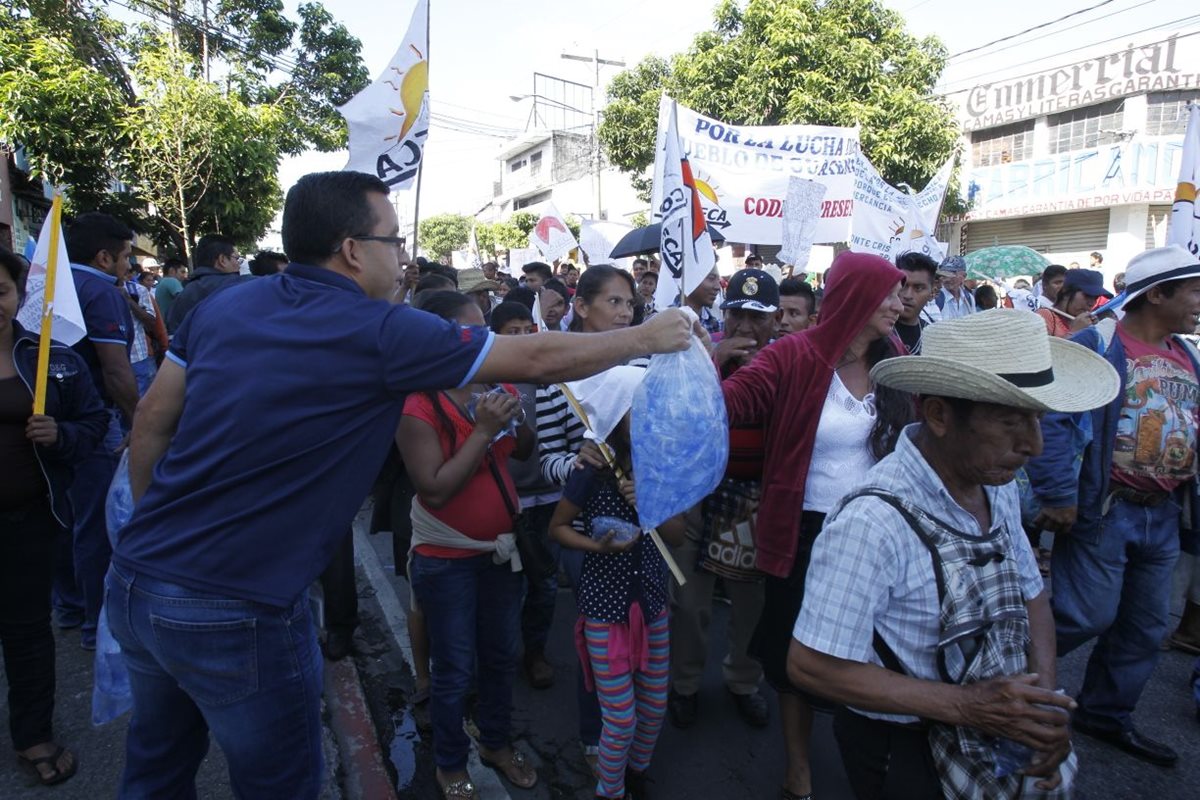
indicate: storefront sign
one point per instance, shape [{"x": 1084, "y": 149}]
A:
[
  {"x": 1169, "y": 64},
  {"x": 1140, "y": 171}
]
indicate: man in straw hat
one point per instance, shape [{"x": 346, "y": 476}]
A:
[
  {"x": 1113, "y": 483},
  {"x": 923, "y": 599}
]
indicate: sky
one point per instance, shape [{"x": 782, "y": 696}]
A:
[{"x": 484, "y": 51}]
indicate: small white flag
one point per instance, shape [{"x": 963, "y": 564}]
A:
[
  {"x": 801, "y": 213},
  {"x": 389, "y": 120},
  {"x": 68, "y": 325},
  {"x": 551, "y": 236},
  {"x": 1184, "y": 228},
  {"x": 684, "y": 245},
  {"x": 473, "y": 258}
]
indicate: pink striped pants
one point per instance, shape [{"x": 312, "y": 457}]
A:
[{"x": 633, "y": 699}]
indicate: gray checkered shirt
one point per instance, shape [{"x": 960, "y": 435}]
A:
[{"x": 870, "y": 572}]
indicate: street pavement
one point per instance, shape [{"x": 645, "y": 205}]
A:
[{"x": 720, "y": 758}]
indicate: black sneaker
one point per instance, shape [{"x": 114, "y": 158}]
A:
[
  {"x": 635, "y": 785},
  {"x": 683, "y": 708},
  {"x": 1132, "y": 742}
]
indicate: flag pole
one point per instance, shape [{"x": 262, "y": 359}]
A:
[
  {"x": 421, "y": 166},
  {"x": 612, "y": 463},
  {"x": 43, "y": 363}
]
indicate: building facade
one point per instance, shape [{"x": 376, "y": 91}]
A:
[
  {"x": 1079, "y": 158},
  {"x": 558, "y": 167}
]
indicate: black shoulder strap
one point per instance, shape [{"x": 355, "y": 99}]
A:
[{"x": 887, "y": 656}]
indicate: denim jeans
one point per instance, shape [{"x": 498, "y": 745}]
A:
[
  {"x": 144, "y": 372},
  {"x": 80, "y": 579},
  {"x": 197, "y": 662},
  {"x": 1115, "y": 583},
  {"x": 537, "y": 612},
  {"x": 472, "y": 609}
]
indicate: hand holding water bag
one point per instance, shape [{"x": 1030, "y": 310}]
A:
[{"x": 680, "y": 434}]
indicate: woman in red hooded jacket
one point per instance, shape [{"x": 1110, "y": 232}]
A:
[{"x": 825, "y": 426}]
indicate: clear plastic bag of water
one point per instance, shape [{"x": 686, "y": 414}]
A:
[
  {"x": 111, "y": 695},
  {"x": 622, "y": 530},
  {"x": 680, "y": 434}
]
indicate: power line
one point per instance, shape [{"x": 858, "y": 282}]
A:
[
  {"x": 1056, "y": 33},
  {"x": 1034, "y": 28}
]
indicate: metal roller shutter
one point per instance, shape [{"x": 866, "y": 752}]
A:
[
  {"x": 1058, "y": 233},
  {"x": 1156, "y": 226}
]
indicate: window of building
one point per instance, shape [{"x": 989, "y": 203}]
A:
[
  {"x": 1002, "y": 145},
  {"x": 531, "y": 200},
  {"x": 1166, "y": 112},
  {"x": 1087, "y": 127},
  {"x": 535, "y": 163},
  {"x": 514, "y": 166}
]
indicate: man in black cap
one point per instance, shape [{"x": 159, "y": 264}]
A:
[{"x": 719, "y": 541}]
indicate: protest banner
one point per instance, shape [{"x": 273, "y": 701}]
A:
[
  {"x": 550, "y": 235},
  {"x": 742, "y": 172},
  {"x": 1184, "y": 229},
  {"x": 389, "y": 120},
  {"x": 685, "y": 246},
  {"x": 884, "y": 217},
  {"x": 597, "y": 240}
]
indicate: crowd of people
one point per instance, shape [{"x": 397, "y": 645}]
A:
[{"x": 900, "y": 443}]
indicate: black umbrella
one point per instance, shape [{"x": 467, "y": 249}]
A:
[{"x": 646, "y": 240}]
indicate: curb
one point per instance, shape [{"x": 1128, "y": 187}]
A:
[{"x": 361, "y": 757}]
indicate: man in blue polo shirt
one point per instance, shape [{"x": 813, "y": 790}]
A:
[
  {"x": 98, "y": 246},
  {"x": 249, "y": 463}
]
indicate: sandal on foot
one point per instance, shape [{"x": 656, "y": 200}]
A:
[
  {"x": 787, "y": 794},
  {"x": 517, "y": 769},
  {"x": 31, "y": 766},
  {"x": 459, "y": 790}
]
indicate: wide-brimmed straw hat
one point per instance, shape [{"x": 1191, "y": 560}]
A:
[
  {"x": 472, "y": 279},
  {"x": 1003, "y": 356}
]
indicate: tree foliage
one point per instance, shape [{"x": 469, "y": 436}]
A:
[
  {"x": 821, "y": 62},
  {"x": 499, "y": 236},
  {"x": 207, "y": 95},
  {"x": 440, "y": 235},
  {"x": 62, "y": 109}
]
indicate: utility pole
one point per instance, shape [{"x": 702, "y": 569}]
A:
[{"x": 595, "y": 59}]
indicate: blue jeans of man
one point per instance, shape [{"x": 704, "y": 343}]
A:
[
  {"x": 537, "y": 612},
  {"x": 472, "y": 609},
  {"x": 79, "y": 580},
  {"x": 199, "y": 662},
  {"x": 1115, "y": 584}
]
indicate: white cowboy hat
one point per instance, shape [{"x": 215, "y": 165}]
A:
[
  {"x": 1159, "y": 265},
  {"x": 1003, "y": 356}
]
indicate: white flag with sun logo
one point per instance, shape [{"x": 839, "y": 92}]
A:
[{"x": 389, "y": 120}]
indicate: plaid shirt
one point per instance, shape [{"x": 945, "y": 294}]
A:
[
  {"x": 710, "y": 321},
  {"x": 870, "y": 571}
]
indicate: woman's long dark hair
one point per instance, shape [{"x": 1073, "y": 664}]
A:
[
  {"x": 893, "y": 408},
  {"x": 592, "y": 282}
]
